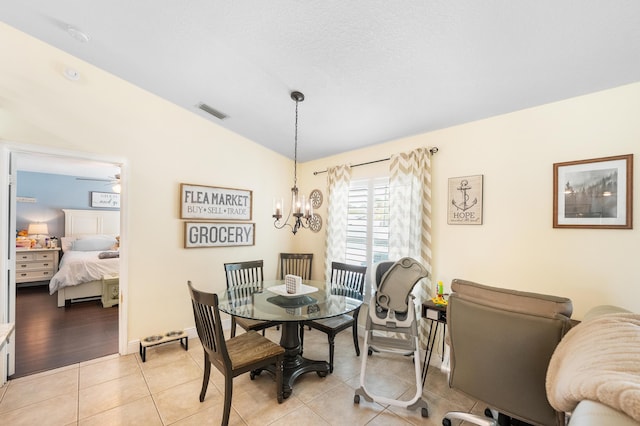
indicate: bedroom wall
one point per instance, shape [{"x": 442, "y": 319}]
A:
[
  {"x": 52, "y": 194},
  {"x": 517, "y": 247}
]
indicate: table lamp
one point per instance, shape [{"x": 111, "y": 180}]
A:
[{"x": 38, "y": 229}]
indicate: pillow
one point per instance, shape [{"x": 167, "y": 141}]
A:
[
  {"x": 94, "y": 237},
  {"x": 66, "y": 243},
  {"x": 109, "y": 254},
  {"x": 95, "y": 244}
]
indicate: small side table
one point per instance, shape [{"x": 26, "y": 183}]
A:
[
  {"x": 438, "y": 315},
  {"x": 110, "y": 291}
]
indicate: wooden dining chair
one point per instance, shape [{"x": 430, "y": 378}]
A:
[
  {"x": 347, "y": 280},
  {"x": 296, "y": 264},
  {"x": 238, "y": 355},
  {"x": 246, "y": 277}
]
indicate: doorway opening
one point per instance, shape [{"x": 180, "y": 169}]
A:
[{"x": 47, "y": 336}]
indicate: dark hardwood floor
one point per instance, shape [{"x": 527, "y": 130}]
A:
[{"x": 49, "y": 337}]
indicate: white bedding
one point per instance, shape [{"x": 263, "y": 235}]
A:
[{"x": 78, "y": 267}]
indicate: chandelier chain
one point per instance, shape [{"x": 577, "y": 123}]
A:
[
  {"x": 300, "y": 211},
  {"x": 295, "y": 150}
]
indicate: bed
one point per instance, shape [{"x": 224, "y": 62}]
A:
[{"x": 82, "y": 270}]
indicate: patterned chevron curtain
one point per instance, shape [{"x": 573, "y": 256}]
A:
[
  {"x": 410, "y": 212},
  {"x": 338, "y": 203}
]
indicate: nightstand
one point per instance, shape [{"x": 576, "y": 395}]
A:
[
  {"x": 110, "y": 291},
  {"x": 36, "y": 264}
]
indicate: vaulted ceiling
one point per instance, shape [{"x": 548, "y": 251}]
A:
[{"x": 371, "y": 70}]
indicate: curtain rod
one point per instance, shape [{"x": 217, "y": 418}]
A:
[{"x": 432, "y": 150}]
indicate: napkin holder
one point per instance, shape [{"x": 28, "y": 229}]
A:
[{"x": 293, "y": 283}]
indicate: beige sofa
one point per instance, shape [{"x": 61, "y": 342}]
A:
[{"x": 594, "y": 372}]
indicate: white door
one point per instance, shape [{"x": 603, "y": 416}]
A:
[{"x": 8, "y": 284}]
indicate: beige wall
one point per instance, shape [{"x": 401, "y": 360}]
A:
[
  {"x": 165, "y": 145},
  {"x": 517, "y": 246}
]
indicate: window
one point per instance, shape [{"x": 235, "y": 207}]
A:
[{"x": 368, "y": 224}]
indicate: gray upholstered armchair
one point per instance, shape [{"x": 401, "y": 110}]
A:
[{"x": 501, "y": 343}]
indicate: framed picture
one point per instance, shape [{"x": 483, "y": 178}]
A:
[
  {"x": 105, "y": 199},
  {"x": 220, "y": 234},
  {"x": 465, "y": 200},
  {"x": 596, "y": 193},
  {"x": 214, "y": 203}
]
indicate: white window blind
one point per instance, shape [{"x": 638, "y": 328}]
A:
[{"x": 368, "y": 224}]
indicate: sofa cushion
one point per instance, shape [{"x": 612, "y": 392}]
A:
[{"x": 590, "y": 413}]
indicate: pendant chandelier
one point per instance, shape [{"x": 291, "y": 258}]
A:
[{"x": 301, "y": 209}]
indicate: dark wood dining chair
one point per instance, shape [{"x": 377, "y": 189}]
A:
[
  {"x": 296, "y": 264},
  {"x": 246, "y": 277},
  {"x": 347, "y": 280},
  {"x": 238, "y": 355}
]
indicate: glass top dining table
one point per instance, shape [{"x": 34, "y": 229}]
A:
[{"x": 269, "y": 301}]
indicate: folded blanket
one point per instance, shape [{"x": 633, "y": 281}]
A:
[
  {"x": 599, "y": 360},
  {"x": 108, "y": 254}
]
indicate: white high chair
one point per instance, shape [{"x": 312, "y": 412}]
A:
[{"x": 392, "y": 327}]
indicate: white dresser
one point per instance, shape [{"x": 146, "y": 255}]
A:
[{"x": 36, "y": 264}]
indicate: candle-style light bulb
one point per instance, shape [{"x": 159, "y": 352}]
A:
[{"x": 277, "y": 208}]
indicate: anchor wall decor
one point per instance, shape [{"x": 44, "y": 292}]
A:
[{"x": 465, "y": 200}]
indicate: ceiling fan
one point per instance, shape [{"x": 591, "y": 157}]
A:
[{"x": 114, "y": 181}]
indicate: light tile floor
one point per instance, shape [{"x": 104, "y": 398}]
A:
[{"x": 122, "y": 390}]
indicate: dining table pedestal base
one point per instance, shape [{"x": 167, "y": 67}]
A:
[
  {"x": 265, "y": 301},
  {"x": 295, "y": 364}
]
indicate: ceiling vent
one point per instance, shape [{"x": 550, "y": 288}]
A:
[{"x": 217, "y": 114}]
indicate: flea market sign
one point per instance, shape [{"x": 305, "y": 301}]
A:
[
  {"x": 213, "y": 203},
  {"x": 222, "y": 234}
]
